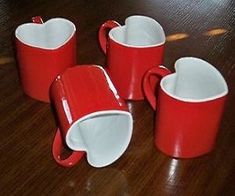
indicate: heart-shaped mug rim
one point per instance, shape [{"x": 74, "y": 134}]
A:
[
  {"x": 207, "y": 67},
  {"x": 144, "y": 18},
  {"x": 82, "y": 146},
  {"x": 43, "y": 25},
  {"x": 76, "y": 133}
]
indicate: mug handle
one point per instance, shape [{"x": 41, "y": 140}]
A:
[
  {"x": 37, "y": 19},
  {"x": 105, "y": 27},
  {"x": 56, "y": 151},
  {"x": 159, "y": 72}
]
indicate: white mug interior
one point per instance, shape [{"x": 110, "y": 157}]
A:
[
  {"x": 139, "y": 31},
  {"x": 52, "y": 34},
  {"x": 195, "y": 80},
  {"x": 103, "y": 135}
]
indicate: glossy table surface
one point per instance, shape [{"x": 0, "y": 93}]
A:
[{"x": 203, "y": 29}]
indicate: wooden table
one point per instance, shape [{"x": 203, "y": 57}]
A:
[{"x": 203, "y": 29}]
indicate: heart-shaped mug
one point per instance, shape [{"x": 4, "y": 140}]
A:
[
  {"x": 92, "y": 117},
  {"x": 131, "y": 50},
  {"x": 189, "y": 106},
  {"x": 43, "y": 51}
]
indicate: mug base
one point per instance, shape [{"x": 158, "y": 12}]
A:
[
  {"x": 133, "y": 98},
  {"x": 38, "y": 98},
  {"x": 184, "y": 156}
]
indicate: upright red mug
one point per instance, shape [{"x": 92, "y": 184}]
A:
[
  {"x": 43, "y": 51},
  {"x": 92, "y": 117},
  {"x": 188, "y": 108},
  {"x": 131, "y": 50}
]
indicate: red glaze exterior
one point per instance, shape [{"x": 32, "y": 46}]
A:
[
  {"x": 37, "y": 19},
  {"x": 107, "y": 26},
  {"x": 127, "y": 65},
  {"x": 183, "y": 129},
  {"x": 159, "y": 72},
  {"x": 56, "y": 152},
  {"x": 77, "y": 92},
  {"x": 186, "y": 129},
  {"x": 38, "y": 67}
]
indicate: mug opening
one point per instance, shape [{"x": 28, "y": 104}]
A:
[
  {"x": 50, "y": 35},
  {"x": 195, "y": 80},
  {"x": 139, "y": 31},
  {"x": 104, "y": 135}
]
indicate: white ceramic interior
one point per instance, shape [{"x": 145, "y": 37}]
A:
[
  {"x": 49, "y": 35},
  {"x": 195, "y": 80},
  {"x": 103, "y": 135},
  {"x": 139, "y": 31}
]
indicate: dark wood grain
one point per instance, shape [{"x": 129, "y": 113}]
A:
[{"x": 199, "y": 28}]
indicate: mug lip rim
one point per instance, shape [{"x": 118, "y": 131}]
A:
[
  {"x": 48, "y": 21},
  {"x": 138, "y": 46},
  {"x": 94, "y": 114},
  {"x": 190, "y": 100}
]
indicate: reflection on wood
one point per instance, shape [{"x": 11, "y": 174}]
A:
[
  {"x": 176, "y": 37},
  {"x": 214, "y": 32}
]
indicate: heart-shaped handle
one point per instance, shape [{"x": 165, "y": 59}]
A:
[
  {"x": 159, "y": 72},
  {"x": 37, "y": 19},
  {"x": 103, "y": 31},
  {"x": 56, "y": 151}
]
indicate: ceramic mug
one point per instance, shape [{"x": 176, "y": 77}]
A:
[
  {"x": 188, "y": 108},
  {"x": 44, "y": 50},
  {"x": 92, "y": 117},
  {"x": 131, "y": 50}
]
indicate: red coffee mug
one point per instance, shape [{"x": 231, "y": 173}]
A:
[
  {"x": 131, "y": 50},
  {"x": 44, "y": 50},
  {"x": 189, "y": 107},
  {"x": 92, "y": 117}
]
